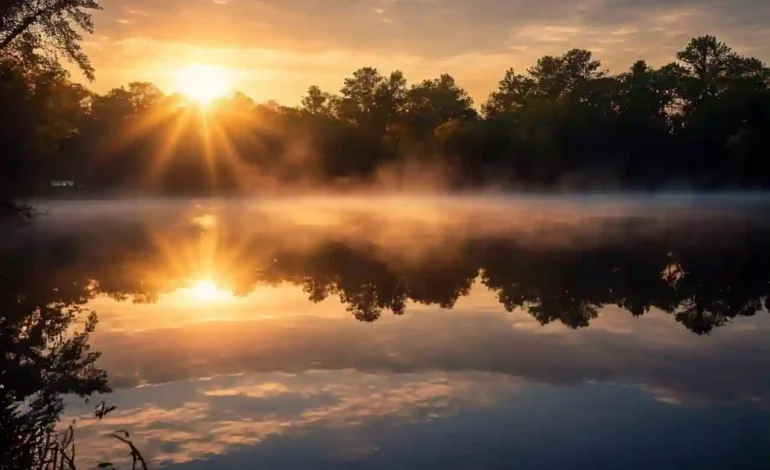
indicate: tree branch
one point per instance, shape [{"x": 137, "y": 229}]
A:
[{"x": 18, "y": 30}]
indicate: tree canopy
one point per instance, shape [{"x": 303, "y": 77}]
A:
[
  {"x": 702, "y": 121},
  {"x": 48, "y": 27}
]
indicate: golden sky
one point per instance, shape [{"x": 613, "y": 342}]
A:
[{"x": 275, "y": 49}]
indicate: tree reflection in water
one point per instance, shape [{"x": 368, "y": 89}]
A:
[
  {"x": 44, "y": 333},
  {"x": 703, "y": 284},
  {"x": 703, "y": 290},
  {"x": 47, "y": 281}
]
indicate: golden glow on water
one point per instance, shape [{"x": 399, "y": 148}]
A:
[
  {"x": 206, "y": 221},
  {"x": 206, "y": 291},
  {"x": 242, "y": 322}
]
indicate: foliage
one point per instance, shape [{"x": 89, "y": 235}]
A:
[
  {"x": 44, "y": 341},
  {"x": 29, "y": 28},
  {"x": 57, "y": 450},
  {"x": 702, "y": 121}
]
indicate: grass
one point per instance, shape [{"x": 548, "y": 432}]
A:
[{"x": 58, "y": 450}]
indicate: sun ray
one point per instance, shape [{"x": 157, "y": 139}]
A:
[
  {"x": 147, "y": 122},
  {"x": 150, "y": 121},
  {"x": 209, "y": 152},
  {"x": 228, "y": 154},
  {"x": 165, "y": 153}
]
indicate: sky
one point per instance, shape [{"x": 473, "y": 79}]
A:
[{"x": 275, "y": 49}]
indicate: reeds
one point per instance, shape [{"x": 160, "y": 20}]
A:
[{"x": 56, "y": 450}]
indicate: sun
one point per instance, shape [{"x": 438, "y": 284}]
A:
[
  {"x": 205, "y": 290},
  {"x": 203, "y": 83}
]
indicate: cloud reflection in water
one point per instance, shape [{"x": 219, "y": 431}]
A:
[{"x": 486, "y": 334}]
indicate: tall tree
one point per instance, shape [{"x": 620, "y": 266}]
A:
[
  {"x": 317, "y": 101},
  {"x": 555, "y": 76},
  {"x": 512, "y": 92},
  {"x": 371, "y": 100},
  {"x": 50, "y": 26},
  {"x": 434, "y": 102}
]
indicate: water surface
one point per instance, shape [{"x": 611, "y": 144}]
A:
[{"x": 398, "y": 332}]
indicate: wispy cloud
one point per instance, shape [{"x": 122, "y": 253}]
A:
[
  {"x": 193, "y": 420},
  {"x": 475, "y": 40}
]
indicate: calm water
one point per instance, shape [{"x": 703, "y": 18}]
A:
[{"x": 475, "y": 333}]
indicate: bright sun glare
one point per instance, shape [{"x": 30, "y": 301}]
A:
[
  {"x": 206, "y": 290},
  {"x": 203, "y": 83}
]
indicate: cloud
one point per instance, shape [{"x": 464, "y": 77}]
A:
[
  {"x": 192, "y": 420},
  {"x": 283, "y": 43},
  {"x": 427, "y": 29},
  {"x": 333, "y": 419}
]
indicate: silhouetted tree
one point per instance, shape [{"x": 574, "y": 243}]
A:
[
  {"x": 29, "y": 27},
  {"x": 318, "y": 102},
  {"x": 40, "y": 357},
  {"x": 702, "y": 120}
]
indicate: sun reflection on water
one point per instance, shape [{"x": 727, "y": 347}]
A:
[{"x": 205, "y": 290}]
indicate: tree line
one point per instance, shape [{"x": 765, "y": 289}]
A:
[{"x": 702, "y": 122}]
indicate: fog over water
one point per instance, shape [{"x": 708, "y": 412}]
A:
[{"x": 443, "y": 331}]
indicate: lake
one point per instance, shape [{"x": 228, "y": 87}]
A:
[{"x": 486, "y": 332}]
